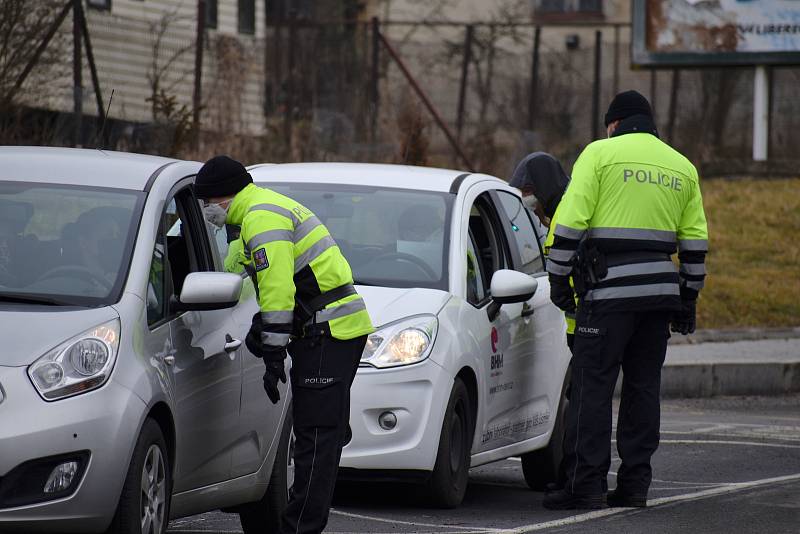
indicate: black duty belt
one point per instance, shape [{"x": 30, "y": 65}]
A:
[{"x": 329, "y": 297}]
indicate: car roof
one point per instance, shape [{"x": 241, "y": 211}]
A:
[
  {"x": 369, "y": 174},
  {"x": 100, "y": 168}
]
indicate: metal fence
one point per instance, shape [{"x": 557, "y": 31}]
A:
[{"x": 476, "y": 96}]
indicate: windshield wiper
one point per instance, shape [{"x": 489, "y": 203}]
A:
[{"x": 22, "y": 298}]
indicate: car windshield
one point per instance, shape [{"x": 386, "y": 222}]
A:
[
  {"x": 64, "y": 244},
  {"x": 390, "y": 237}
]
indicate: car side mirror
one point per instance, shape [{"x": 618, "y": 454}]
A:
[
  {"x": 510, "y": 287},
  {"x": 208, "y": 291}
]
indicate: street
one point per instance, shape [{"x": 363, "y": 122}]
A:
[{"x": 725, "y": 465}]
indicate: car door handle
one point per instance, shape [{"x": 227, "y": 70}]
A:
[
  {"x": 231, "y": 344},
  {"x": 527, "y": 310}
]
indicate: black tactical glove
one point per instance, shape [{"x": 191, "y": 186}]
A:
[
  {"x": 274, "y": 372},
  {"x": 561, "y": 293},
  {"x": 684, "y": 321},
  {"x": 253, "y": 339}
]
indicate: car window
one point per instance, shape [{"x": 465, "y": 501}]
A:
[
  {"x": 520, "y": 227},
  {"x": 390, "y": 237},
  {"x": 71, "y": 244},
  {"x": 488, "y": 241},
  {"x": 175, "y": 256},
  {"x": 476, "y": 291}
]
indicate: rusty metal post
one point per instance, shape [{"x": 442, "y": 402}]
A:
[
  {"x": 198, "y": 72},
  {"x": 462, "y": 91},
  {"x": 68, "y": 6},
  {"x": 673, "y": 104},
  {"x": 426, "y": 101},
  {"x": 654, "y": 93},
  {"x": 534, "y": 78},
  {"x": 616, "y": 59},
  {"x": 77, "y": 73},
  {"x": 598, "y": 43},
  {"x": 92, "y": 67},
  {"x": 288, "y": 113},
  {"x": 374, "y": 93}
]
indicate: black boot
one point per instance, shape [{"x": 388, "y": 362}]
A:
[
  {"x": 564, "y": 500},
  {"x": 620, "y": 499}
]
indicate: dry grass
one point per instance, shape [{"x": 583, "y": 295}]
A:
[{"x": 754, "y": 258}]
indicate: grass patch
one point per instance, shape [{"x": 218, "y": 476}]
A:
[{"x": 754, "y": 258}]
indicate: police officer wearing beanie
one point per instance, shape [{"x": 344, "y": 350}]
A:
[
  {"x": 633, "y": 201},
  {"x": 309, "y": 306}
]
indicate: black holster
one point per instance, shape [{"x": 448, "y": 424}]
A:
[{"x": 590, "y": 266}]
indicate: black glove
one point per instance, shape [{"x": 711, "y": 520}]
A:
[
  {"x": 562, "y": 294},
  {"x": 274, "y": 372},
  {"x": 253, "y": 339},
  {"x": 684, "y": 321}
]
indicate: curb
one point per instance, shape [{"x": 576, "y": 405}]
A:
[
  {"x": 729, "y": 336},
  {"x": 730, "y": 379}
]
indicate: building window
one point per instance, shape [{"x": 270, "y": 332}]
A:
[
  {"x": 99, "y": 4},
  {"x": 279, "y": 11},
  {"x": 247, "y": 16},
  {"x": 568, "y": 9},
  {"x": 211, "y": 14}
]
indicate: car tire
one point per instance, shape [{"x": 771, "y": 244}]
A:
[
  {"x": 448, "y": 482},
  {"x": 150, "y": 461},
  {"x": 264, "y": 516},
  {"x": 541, "y": 467}
]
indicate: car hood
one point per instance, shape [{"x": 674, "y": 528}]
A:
[
  {"x": 27, "y": 332},
  {"x": 389, "y": 304}
]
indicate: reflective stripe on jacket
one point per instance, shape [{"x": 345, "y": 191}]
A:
[
  {"x": 638, "y": 201},
  {"x": 295, "y": 260},
  {"x": 548, "y": 242}
]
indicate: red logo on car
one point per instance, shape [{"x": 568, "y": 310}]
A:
[{"x": 495, "y": 339}]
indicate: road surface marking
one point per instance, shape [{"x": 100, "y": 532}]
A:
[{"x": 414, "y": 523}]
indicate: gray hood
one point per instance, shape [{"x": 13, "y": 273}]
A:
[{"x": 27, "y": 332}]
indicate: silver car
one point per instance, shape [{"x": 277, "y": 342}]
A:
[{"x": 127, "y": 396}]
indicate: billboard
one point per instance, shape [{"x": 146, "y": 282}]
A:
[{"x": 672, "y": 33}]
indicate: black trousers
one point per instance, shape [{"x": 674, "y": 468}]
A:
[
  {"x": 604, "y": 343},
  {"x": 323, "y": 369}
]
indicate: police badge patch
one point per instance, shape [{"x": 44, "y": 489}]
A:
[{"x": 260, "y": 259}]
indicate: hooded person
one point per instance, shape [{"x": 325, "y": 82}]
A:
[{"x": 542, "y": 181}]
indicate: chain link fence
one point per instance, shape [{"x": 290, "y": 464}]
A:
[{"x": 476, "y": 96}]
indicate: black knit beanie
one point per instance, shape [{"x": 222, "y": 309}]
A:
[
  {"x": 626, "y": 105},
  {"x": 221, "y": 176}
]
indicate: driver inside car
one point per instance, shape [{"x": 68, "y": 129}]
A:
[{"x": 99, "y": 243}]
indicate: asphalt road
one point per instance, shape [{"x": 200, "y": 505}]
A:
[{"x": 727, "y": 466}]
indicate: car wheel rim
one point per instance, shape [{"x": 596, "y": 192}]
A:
[
  {"x": 290, "y": 466},
  {"x": 456, "y": 440},
  {"x": 154, "y": 491}
]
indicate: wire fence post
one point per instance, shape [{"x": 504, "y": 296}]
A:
[
  {"x": 462, "y": 90},
  {"x": 92, "y": 67},
  {"x": 77, "y": 73},
  {"x": 654, "y": 92},
  {"x": 616, "y": 59},
  {"x": 374, "y": 94},
  {"x": 598, "y": 38},
  {"x": 673, "y": 104},
  {"x": 288, "y": 114},
  {"x": 198, "y": 72},
  {"x": 534, "y": 78}
]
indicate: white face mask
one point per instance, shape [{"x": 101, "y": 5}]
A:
[
  {"x": 215, "y": 214},
  {"x": 530, "y": 201}
]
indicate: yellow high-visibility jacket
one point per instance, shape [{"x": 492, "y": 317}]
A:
[
  {"x": 637, "y": 200},
  {"x": 295, "y": 260}
]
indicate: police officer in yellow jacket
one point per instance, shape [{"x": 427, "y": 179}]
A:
[
  {"x": 307, "y": 304},
  {"x": 632, "y": 202}
]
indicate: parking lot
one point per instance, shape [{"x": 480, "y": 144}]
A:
[{"x": 725, "y": 465}]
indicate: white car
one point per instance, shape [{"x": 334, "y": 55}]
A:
[{"x": 469, "y": 361}]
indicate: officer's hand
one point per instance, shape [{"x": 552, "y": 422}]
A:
[
  {"x": 684, "y": 321},
  {"x": 253, "y": 339},
  {"x": 561, "y": 293},
  {"x": 274, "y": 372}
]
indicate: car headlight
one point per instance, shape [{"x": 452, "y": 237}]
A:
[
  {"x": 401, "y": 343},
  {"x": 78, "y": 365}
]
